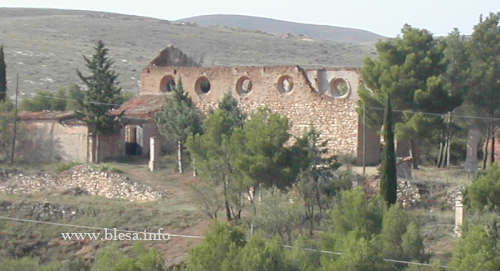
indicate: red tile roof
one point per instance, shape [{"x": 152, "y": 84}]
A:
[
  {"x": 46, "y": 115},
  {"x": 143, "y": 106}
]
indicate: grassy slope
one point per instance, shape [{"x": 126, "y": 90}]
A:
[
  {"x": 176, "y": 214},
  {"x": 179, "y": 213},
  {"x": 46, "y": 46}
]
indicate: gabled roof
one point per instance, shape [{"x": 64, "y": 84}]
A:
[{"x": 142, "y": 107}]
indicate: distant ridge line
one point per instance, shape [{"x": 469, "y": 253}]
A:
[{"x": 277, "y": 26}]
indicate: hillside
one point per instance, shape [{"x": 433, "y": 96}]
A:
[
  {"x": 46, "y": 46},
  {"x": 318, "y": 32}
]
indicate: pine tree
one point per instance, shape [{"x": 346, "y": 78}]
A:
[
  {"x": 3, "y": 79},
  {"x": 214, "y": 154},
  {"x": 485, "y": 89},
  {"x": 410, "y": 68},
  {"x": 388, "y": 182},
  {"x": 102, "y": 94},
  {"x": 179, "y": 119}
]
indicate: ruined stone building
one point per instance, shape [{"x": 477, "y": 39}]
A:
[{"x": 325, "y": 98}]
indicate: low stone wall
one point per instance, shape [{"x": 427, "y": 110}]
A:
[
  {"x": 409, "y": 192},
  {"x": 81, "y": 179},
  {"x": 40, "y": 210}
]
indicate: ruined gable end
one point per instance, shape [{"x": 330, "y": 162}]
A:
[{"x": 172, "y": 56}]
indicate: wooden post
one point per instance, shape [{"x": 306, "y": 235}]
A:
[
  {"x": 91, "y": 148},
  {"x": 154, "y": 148},
  {"x": 13, "y": 146},
  {"x": 364, "y": 139}
]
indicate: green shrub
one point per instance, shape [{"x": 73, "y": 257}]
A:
[
  {"x": 478, "y": 251},
  {"x": 60, "y": 167},
  {"x": 106, "y": 168},
  {"x": 484, "y": 193}
]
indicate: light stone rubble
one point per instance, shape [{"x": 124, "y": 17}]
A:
[{"x": 82, "y": 179}]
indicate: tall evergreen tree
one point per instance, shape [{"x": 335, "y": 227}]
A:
[
  {"x": 388, "y": 182},
  {"x": 485, "y": 73},
  {"x": 410, "y": 68},
  {"x": 3, "y": 78},
  {"x": 102, "y": 94},
  {"x": 179, "y": 119}
]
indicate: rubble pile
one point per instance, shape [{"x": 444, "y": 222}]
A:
[
  {"x": 79, "y": 180},
  {"x": 410, "y": 193},
  {"x": 451, "y": 196}
]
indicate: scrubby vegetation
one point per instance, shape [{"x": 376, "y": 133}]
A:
[{"x": 275, "y": 202}]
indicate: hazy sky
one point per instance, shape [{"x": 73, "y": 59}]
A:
[{"x": 385, "y": 17}]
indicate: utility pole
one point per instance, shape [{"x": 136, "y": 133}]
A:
[
  {"x": 364, "y": 139},
  {"x": 13, "y": 150}
]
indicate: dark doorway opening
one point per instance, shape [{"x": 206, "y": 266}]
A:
[{"x": 133, "y": 140}]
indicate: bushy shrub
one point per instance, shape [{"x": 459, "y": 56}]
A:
[{"x": 484, "y": 193}]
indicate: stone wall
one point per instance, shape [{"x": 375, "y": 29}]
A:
[
  {"x": 49, "y": 140},
  {"x": 112, "y": 145},
  {"x": 306, "y": 97},
  {"x": 54, "y": 140}
]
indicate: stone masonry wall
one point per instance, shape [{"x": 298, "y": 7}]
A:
[{"x": 304, "y": 104}]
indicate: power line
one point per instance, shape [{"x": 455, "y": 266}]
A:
[
  {"x": 368, "y": 107},
  {"x": 92, "y": 227},
  {"x": 194, "y": 237},
  {"x": 70, "y": 99},
  {"x": 437, "y": 114},
  {"x": 340, "y": 253}
]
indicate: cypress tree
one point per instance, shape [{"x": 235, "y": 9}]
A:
[
  {"x": 388, "y": 182},
  {"x": 103, "y": 94},
  {"x": 178, "y": 119},
  {"x": 3, "y": 78}
]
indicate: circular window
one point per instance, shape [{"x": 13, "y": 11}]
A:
[
  {"x": 167, "y": 83},
  {"x": 340, "y": 88},
  {"x": 244, "y": 85},
  {"x": 202, "y": 85},
  {"x": 285, "y": 84}
]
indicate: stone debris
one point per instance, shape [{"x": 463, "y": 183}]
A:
[
  {"x": 404, "y": 165},
  {"x": 452, "y": 194},
  {"x": 43, "y": 211},
  {"x": 409, "y": 192},
  {"x": 82, "y": 179}
]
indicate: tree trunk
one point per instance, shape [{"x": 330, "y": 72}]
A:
[
  {"x": 471, "y": 161},
  {"x": 260, "y": 192},
  {"x": 413, "y": 154},
  {"x": 485, "y": 154},
  {"x": 445, "y": 154},
  {"x": 493, "y": 139},
  {"x": 179, "y": 156},
  {"x": 195, "y": 172},
  {"x": 311, "y": 219},
  {"x": 440, "y": 154},
  {"x": 226, "y": 202},
  {"x": 448, "y": 151},
  {"x": 97, "y": 145},
  {"x": 318, "y": 197}
]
